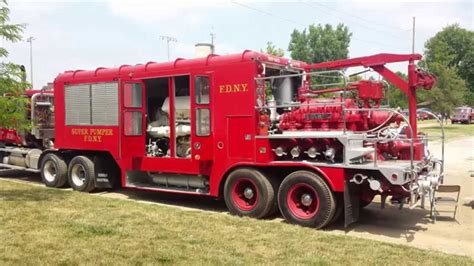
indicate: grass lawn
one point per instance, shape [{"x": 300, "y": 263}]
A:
[
  {"x": 451, "y": 131},
  {"x": 49, "y": 226}
]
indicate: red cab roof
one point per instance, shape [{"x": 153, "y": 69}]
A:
[{"x": 179, "y": 63}]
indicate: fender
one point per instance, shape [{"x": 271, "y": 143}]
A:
[{"x": 334, "y": 176}]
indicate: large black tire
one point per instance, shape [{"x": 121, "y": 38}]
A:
[
  {"x": 247, "y": 192},
  {"x": 339, "y": 208},
  {"x": 53, "y": 170},
  {"x": 305, "y": 199},
  {"x": 81, "y": 174}
]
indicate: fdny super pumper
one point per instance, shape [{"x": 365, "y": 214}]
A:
[{"x": 262, "y": 132}]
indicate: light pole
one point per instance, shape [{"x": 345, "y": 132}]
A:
[
  {"x": 168, "y": 39},
  {"x": 413, "y": 38},
  {"x": 30, "y": 40}
]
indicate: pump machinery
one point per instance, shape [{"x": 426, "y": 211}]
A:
[{"x": 262, "y": 132}]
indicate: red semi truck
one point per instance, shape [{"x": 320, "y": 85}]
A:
[{"x": 251, "y": 128}]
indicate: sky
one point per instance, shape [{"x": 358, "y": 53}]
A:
[{"x": 70, "y": 35}]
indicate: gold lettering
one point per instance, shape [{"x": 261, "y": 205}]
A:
[
  {"x": 233, "y": 88},
  {"x": 79, "y": 131},
  {"x": 236, "y": 87}
]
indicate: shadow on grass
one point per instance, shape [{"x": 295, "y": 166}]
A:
[
  {"x": 389, "y": 222},
  {"x": 197, "y": 202},
  {"x": 29, "y": 194}
]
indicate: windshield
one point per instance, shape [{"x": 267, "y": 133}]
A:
[{"x": 462, "y": 110}]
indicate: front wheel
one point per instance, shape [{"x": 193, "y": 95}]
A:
[
  {"x": 81, "y": 174},
  {"x": 247, "y": 192},
  {"x": 305, "y": 199}
]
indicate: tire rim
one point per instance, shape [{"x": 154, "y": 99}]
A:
[
  {"x": 50, "y": 171},
  {"x": 303, "y": 201},
  {"x": 245, "y": 194},
  {"x": 78, "y": 175}
]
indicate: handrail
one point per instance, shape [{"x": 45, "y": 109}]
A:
[
  {"x": 440, "y": 122},
  {"x": 317, "y": 73}
]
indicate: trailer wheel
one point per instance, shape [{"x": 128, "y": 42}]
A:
[
  {"x": 247, "y": 192},
  {"x": 305, "y": 199},
  {"x": 53, "y": 171},
  {"x": 81, "y": 174}
]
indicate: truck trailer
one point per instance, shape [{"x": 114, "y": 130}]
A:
[{"x": 262, "y": 132}]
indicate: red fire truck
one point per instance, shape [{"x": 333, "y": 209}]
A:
[
  {"x": 463, "y": 114},
  {"x": 262, "y": 132}
]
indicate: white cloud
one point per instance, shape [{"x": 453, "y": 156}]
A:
[{"x": 149, "y": 12}]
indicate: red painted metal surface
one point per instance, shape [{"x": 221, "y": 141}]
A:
[
  {"x": 238, "y": 196},
  {"x": 10, "y": 136},
  {"x": 234, "y": 121},
  {"x": 326, "y": 114},
  {"x": 294, "y": 201}
]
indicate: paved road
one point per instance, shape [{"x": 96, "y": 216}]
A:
[{"x": 410, "y": 227}]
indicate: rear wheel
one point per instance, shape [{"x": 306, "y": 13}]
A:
[
  {"x": 53, "y": 170},
  {"x": 247, "y": 192},
  {"x": 305, "y": 199},
  {"x": 81, "y": 174},
  {"x": 339, "y": 208}
]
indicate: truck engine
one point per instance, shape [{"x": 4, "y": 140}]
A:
[
  {"x": 323, "y": 115},
  {"x": 346, "y": 125}
]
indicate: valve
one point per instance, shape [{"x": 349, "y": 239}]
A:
[
  {"x": 279, "y": 151},
  {"x": 312, "y": 152},
  {"x": 295, "y": 152}
]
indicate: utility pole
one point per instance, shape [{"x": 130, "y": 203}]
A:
[
  {"x": 213, "y": 36},
  {"x": 30, "y": 40},
  {"x": 413, "y": 38},
  {"x": 168, "y": 39}
]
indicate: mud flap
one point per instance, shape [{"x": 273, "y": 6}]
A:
[
  {"x": 351, "y": 203},
  {"x": 103, "y": 174}
]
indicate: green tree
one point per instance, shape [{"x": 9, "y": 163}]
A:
[
  {"x": 395, "y": 97},
  {"x": 320, "y": 43},
  {"x": 12, "y": 100},
  {"x": 449, "y": 92},
  {"x": 453, "y": 48},
  {"x": 273, "y": 50}
]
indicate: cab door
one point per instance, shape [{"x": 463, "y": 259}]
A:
[
  {"x": 133, "y": 120},
  {"x": 202, "y": 144}
]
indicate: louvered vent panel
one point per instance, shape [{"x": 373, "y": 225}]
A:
[
  {"x": 105, "y": 104},
  {"x": 77, "y": 101}
]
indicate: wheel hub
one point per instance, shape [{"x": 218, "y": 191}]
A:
[
  {"x": 248, "y": 193},
  {"x": 78, "y": 175},
  {"x": 303, "y": 200},
  {"x": 306, "y": 199},
  {"x": 50, "y": 171},
  {"x": 245, "y": 194}
]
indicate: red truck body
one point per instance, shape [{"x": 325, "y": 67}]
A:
[{"x": 210, "y": 126}]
